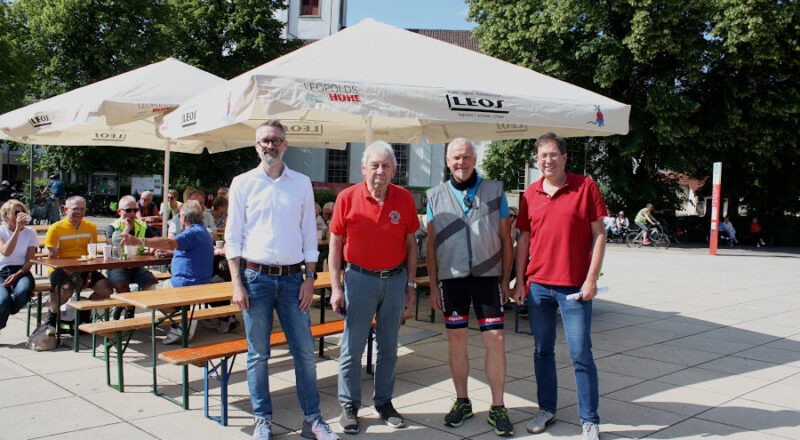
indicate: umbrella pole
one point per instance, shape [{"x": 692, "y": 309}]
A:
[
  {"x": 165, "y": 214},
  {"x": 369, "y": 134}
]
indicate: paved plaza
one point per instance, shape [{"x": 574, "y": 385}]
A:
[{"x": 688, "y": 346}]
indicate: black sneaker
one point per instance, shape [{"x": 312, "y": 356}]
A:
[
  {"x": 129, "y": 312},
  {"x": 498, "y": 417},
  {"x": 349, "y": 419},
  {"x": 389, "y": 415},
  {"x": 116, "y": 313},
  {"x": 461, "y": 410}
]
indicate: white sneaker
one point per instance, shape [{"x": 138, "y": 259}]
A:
[
  {"x": 174, "y": 336},
  {"x": 318, "y": 430},
  {"x": 212, "y": 324},
  {"x": 540, "y": 422},
  {"x": 591, "y": 431}
]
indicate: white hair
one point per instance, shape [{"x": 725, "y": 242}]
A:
[
  {"x": 461, "y": 141},
  {"x": 380, "y": 147}
]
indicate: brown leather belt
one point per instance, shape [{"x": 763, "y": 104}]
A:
[
  {"x": 275, "y": 270},
  {"x": 383, "y": 274}
]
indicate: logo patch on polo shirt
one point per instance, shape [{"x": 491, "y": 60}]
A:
[{"x": 394, "y": 216}]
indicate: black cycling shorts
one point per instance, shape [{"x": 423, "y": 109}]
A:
[{"x": 483, "y": 293}]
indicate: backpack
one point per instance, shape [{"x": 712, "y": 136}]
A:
[{"x": 43, "y": 338}]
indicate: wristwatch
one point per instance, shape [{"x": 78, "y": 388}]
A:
[
  {"x": 311, "y": 275},
  {"x": 412, "y": 284}
]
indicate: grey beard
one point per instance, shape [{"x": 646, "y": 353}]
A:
[{"x": 269, "y": 160}]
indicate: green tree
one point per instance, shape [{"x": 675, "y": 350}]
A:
[
  {"x": 707, "y": 80},
  {"x": 74, "y": 43},
  {"x": 15, "y": 66}
]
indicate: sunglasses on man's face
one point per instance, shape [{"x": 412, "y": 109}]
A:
[{"x": 130, "y": 210}]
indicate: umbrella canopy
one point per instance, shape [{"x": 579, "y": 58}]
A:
[
  {"x": 117, "y": 111},
  {"x": 373, "y": 79}
]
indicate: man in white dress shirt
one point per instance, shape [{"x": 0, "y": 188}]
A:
[{"x": 271, "y": 236}]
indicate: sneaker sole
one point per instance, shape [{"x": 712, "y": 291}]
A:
[
  {"x": 459, "y": 423},
  {"x": 391, "y": 425},
  {"x": 539, "y": 431},
  {"x": 355, "y": 430},
  {"x": 499, "y": 432}
]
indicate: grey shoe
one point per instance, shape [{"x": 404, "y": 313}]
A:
[
  {"x": 591, "y": 431},
  {"x": 263, "y": 429},
  {"x": 389, "y": 415},
  {"x": 540, "y": 422},
  {"x": 318, "y": 430},
  {"x": 349, "y": 419}
]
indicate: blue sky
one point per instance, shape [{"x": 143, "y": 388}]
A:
[{"x": 413, "y": 14}]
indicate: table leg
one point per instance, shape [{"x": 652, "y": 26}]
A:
[
  {"x": 185, "y": 368},
  {"x": 321, "y": 320},
  {"x": 154, "y": 354}
]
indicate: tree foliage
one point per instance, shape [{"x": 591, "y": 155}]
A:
[
  {"x": 708, "y": 80},
  {"x": 72, "y": 43}
]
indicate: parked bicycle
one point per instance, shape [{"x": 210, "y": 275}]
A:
[
  {"x": 618, "y": 236},
  {"x": 676, "y": 236},
  {"x": 656, "y": 235}
]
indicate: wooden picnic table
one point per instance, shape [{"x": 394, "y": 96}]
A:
[{"x": 86, "y": 265}]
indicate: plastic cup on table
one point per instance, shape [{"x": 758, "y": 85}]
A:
[
  {"x": 107, "y": 252},
  {"x": 131, "y": 251},
  {"x": 92, "y": 248}
]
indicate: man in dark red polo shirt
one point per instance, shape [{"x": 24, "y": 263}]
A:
[
  {"x": 373, "y": 228},
  {"x": 561, "y": 229}
]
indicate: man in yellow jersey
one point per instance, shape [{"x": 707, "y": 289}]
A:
[{"x": 68, "y": 238}]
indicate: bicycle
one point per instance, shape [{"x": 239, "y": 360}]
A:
[
  {"x": 656, "y": 235},
  {"x": 677, "y": 236}
]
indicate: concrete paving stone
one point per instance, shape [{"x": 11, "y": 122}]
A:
[
  {"x": 625, "y": 419},
  {"x": 136, "y": 405},
  {"x": 431, "y": 414},
  {"x": 661, "y": 395},
  {"x": 695, "y": 429},
  {"x": 673, "y": 354},
  {"x": 751, "y": 368},
  {"x": 612, "y": 342},
  {"x": 30, "y": 389},
  {"x": 756, "y": 417},
  {"x": 93, "y": 380},
  {"x": 791, "y": 342},
  {"x": 435, "y": 377},
  {"x": 192, "y": 425},
  {"x": 48, "y": 418},
  {"x": 772, "y": 355},
  {"x": 793, "y": 380},
  {"x": 779, "y": 394},
  {"x": 701, "y": 342},
  {"x": 117, "y": 431},
  {"x": 714, "y": 381},
  {"x": 637, "y": 367},
  {"x": 740, "y": 335},
  {"x": 11, "y": 370}
]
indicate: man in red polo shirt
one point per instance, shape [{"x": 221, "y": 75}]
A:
[
  {"x": 373, "y": 228},
  {"x": 561, "y": 229}
]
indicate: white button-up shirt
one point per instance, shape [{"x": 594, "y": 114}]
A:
[{"x": 271, "y": 221}]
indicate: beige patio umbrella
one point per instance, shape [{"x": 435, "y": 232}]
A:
[{"x": 375, "y": 80}]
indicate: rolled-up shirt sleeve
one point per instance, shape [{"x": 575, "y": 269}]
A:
[
  {"x": 309, "y": 227},
  {"x": 234, "y": 228}
]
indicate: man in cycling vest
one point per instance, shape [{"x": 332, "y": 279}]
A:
[{"x": 643, "y": 217}]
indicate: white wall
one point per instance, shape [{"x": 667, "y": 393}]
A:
[{"x": 331, "y": 18}]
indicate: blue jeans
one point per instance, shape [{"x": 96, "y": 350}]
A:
[
  {"x": 13, "y": 298},
  {"x": 268, "y": 293},
  {"x": 543, "y": 301},
  {"x": 385, "y": 299}
]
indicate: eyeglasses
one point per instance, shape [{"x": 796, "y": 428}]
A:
[
  {"x": 16, "y": 213},
  {"x": 275, "y": 141},
  {"x": 170, "y": 197},
  {"x": 130, "y": 210},
  {"x": 545, "y": 156},
  {"x": 467, "y": 202},
  {"x": 512, "y": 215}
]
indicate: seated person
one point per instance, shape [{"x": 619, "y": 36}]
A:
[
  {"x": 192, "y": 258},
  {"x": 219, "y": 212},
  {"x": 17, "y": 248},
  {"x": 727, "y": 227},
  {"x": 222, "y": 192},
  {"x": 621, "y": 223},
  {"x": 327, "y": 212},
  {"x": 147, "y": 209},
  {"x": 609, "y": 222},
  {"x": 172, "y": 206},
  {"x": 127, "y": 223},
  {"x": 68, "y": 238},
  {"x": 175, "y": 225}
]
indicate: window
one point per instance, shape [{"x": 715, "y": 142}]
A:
[
  {"x": 309, "y": 8},
  {"x": 521, "y": 183},
  {"x": 401, "y": 153},
  {"x": 338, "y": 161}
]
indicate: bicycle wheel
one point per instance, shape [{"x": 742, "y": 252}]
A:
[
  {"x": 633, "y": 239},
  {"x": 662, "y": 241}
]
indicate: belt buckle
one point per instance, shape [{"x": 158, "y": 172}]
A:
[
  {"x": 275, "y": 270},
  {"x": 384, "y": 274}
]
